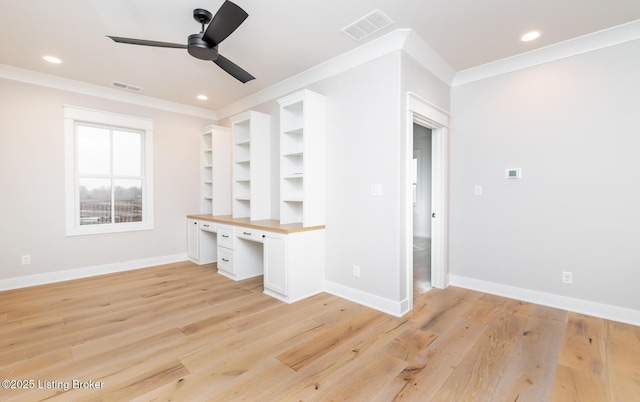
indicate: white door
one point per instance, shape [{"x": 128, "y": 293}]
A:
[{"x": 275, "y": 262}]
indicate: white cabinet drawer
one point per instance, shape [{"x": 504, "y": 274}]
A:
[
  {"x": 249, "y": 234},
  {"x": 225, "y": 260},
  {"x": 208, "y": 226},
  {"x": 226, "y": 237}
]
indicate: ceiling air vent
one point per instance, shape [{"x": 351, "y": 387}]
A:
[
  {"x": 365, "y": 26},
  {"x": 122, "y": 85}
]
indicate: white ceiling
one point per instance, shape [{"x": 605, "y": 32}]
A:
[{"x": 279, "y": 39}]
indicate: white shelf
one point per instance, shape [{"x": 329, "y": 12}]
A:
[
  {"x": 251, "y": 174},
  {"x": 302, "y": 123},
  {"x": 216, "y": 171}
]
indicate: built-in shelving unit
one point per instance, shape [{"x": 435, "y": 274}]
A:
[
  {"x": 216, "y": 175},
  {"x": 302, "y": 144},
  {"x": 251, "y": 173}
]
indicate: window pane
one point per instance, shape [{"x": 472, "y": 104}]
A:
[
  {"x": 128, "y": 197},
  {"x": 95, "y": 201},
  {"x": 127, "y": 159},
  {"x": 93, "y": 150}
]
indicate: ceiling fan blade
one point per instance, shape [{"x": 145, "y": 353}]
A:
[
  {"x": 143, "y": 42},
  {"x": 227, "y": 19},
  {"x": 233, "y": 69}
]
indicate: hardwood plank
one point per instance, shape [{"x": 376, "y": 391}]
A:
[
  {"x": 530, "y": 374},
  {"x": 430, "y": 369},
  {"x": 573, "y": 385},
  {"x": 141, "y": 384},
  {"x": 624, "y": 334},
  {"x": 584, "y": 344},
  {"x": 623, "y": 366},
  {"x": 477, "y": 378},
  {"x": 301, "y": 309},
  {"x": 582, "y": 368},
  {"x": 305, "y": 353},
  {"x": 329, "y": 369},
  {"x": 183, "y": 332},
  {"x": 28, "y": 367}
]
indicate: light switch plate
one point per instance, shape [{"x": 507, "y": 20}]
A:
[{"x": 376, "y": 190}]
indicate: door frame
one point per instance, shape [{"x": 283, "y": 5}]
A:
[{"x": 423, "y": 113}]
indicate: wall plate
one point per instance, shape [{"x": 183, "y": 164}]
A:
[{"x": 513, "y": 173}]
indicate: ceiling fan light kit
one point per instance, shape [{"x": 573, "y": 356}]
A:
[{"x": 204, "y": 45}]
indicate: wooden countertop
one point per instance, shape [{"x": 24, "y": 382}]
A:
[{"x": 267, "y": 224}]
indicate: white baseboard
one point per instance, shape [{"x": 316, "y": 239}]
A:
[
  {"x": 387, "y": 306},
  {"x": 605, "y": 311},
  {"x": 60, "y": 276}
]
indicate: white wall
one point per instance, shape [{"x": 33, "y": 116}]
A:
[
  {"x": 32, "y": 182},
  {"x": 363, "y": 148},
  {"x": 572, "y": 126},
  {"x": 364, "y": 129}
]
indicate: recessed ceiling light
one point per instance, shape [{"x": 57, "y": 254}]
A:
[
  {"x": 202, "y": 97},
  {"x": 529, "y": 36},
  {"x": 52, "y": 59}
]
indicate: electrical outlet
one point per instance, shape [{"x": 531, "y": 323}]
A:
[
  {"x": 567, "y": 277},
  {"x": 356, "y": 271},
  {"x": 26, "y": 259}
]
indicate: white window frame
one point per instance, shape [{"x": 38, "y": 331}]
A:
[{"x": 72, "y": 115}]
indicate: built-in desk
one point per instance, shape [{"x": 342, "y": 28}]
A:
[{"x": 290, "y": 256}]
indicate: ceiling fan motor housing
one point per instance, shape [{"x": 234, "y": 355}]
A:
[{"x": 200, "y": 49}]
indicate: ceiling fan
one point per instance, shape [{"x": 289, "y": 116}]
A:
[{"x": 204, "y": 45}]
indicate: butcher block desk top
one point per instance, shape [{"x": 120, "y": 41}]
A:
[{"x": 267, "y": 224}]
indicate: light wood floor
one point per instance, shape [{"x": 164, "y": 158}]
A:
[
  {"x": 421, "y": 265},
  {"x": 181, "y": 332}
]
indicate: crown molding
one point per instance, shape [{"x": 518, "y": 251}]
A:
[
  {"x": 572, "y": 47},
  {"x": 65, "y": 84},
  {"x": 426, "y": 56},
  {"x": 399, "y": 39}
]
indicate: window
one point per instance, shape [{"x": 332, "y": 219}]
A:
[{"x": 109, "y": 172}]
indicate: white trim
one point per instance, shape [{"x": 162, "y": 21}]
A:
[
  {"x": 400, "y": 39},
  {"x": 107, "y": 118},
  {"x": 609, "y": 312},
  {"x": 60, "y": 276},
  {"x": 428, "y": 115},
  {"x": 65, "y": 84},
  {"x": 391, "y": 307},
  {"x": 424, "y": 54},
  {"x": 72, "y": 114},
  {"x": 583, "y": 44},
  {"x": 286, "y": 299}
]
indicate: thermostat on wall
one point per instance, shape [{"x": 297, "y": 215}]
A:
[{"x": 513, "y": 173}]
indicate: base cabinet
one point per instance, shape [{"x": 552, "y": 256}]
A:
[
  {"x": 192, "y": 239},
  {"x": 293, "y": 264},
  {"x": 199, "y": 242},
  {"x": 275, "y": 263}
]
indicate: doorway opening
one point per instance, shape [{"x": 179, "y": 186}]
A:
[
  {"x": 423, "y": 114},
  {"x": 421, "y": 188}
]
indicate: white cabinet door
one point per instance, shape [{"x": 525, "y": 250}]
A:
[
  {"x": 192, "y": 239},
  {"x": 275, "y": 262},
  {"x": 226, "y": 260}
]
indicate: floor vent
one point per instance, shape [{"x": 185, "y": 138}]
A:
[
  {"x": 122, "y": 85},
  {"x": 365, "y": 26}
]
